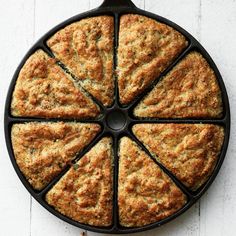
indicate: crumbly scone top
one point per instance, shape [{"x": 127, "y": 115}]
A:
[
  {"x": 189, "y": 151},
  {"x": 86, "y": 49},
  {"x": 146, "y": 48},
  {"x": 145, "y": 193},
  {"x": 43, "y": 89},
  {"x": 43, "y": 149},
  {"x": 85, "y": 192},
  {"x": 187, "y": 91}
]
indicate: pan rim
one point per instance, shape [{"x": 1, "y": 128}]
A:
[{"x": 113, "y": 11}]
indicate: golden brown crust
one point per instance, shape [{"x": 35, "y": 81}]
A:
[
  {"x": 189, "y": 90},
  {"x": 189, "y": 151},
  {"x": 146, "y": 194},
  {"x": 43, "y": 89},
  {"x": 84, "y": 193},
  {"x": 146, "y": 48},
  {"x": 86, "y": 48},
  {"x": 42, "y": 150}
]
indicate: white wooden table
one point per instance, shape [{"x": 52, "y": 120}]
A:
[{"x": 213, "y": 22}]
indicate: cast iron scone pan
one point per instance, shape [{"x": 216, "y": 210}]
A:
[{"x": 110, "y": 120}]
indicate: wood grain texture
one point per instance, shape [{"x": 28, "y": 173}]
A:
[
  {"x": 183, "y": 12},
  {"x": 218, "y": 33},
  {"x": 49, "y": 13},
  {"x": 211, "y": 21},
  {"x": 16, "y": 22}
]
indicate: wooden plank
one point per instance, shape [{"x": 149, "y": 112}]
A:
[
  {"x": 187, "y": 15},
  {"x": 44, "y": 223},
  {"x": 218, "y": 34},
  {"x": 139, "y": 3},
  {"x": 49, "y": 13},
  {"x": 96, "y": 3},
  {"x": 173, "y": 226},
  {"x": 16, "y": 23},
  {"x": 183, "y": 12}
]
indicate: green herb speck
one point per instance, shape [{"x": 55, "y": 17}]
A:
[{"x": 75, "y": 166}]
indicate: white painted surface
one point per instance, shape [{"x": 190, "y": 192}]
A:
[{"x": 213, "y": 22}]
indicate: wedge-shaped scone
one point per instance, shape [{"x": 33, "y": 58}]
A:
[
  {"x": 86, "y": 48},
  {"x": 189, "y": 90},
  {"x": 145, "y": 193},
  {"x": 42, "y": 150},
  {"x": 146, "y": 48},
  {"x": 189, "y": 151},
  {"x": 43, "y": 89},
  {"x": 84, "y": 193}
]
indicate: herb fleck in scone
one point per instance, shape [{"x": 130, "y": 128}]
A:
[
  {"x": 189, "y": 90},
  {"x": 43, "y": 149},
  {"x": 86, "y": 48},
  {"x": 146, "y": 48},
  {"x": 189, "y": 151},
  {"x": 145, "y": 193},
  {"x": 85, "y": 192},
  {"x": 43, "y": 89}
]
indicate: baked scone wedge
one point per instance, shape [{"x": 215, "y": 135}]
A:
[
  {"x": 43, "y": 89},
  {"x": 189, "y": 90},
  {"x": 85, "y": 192},
  {"x": 43, "y": 149},
  {"x": 146, "y": 48},
  {"x": 145, "y": 193},
  {"x": 189, "y": 151},
  {"x": 86, "y": 49}
]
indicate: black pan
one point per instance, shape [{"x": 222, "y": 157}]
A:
[{"x": 110, "y": 123}]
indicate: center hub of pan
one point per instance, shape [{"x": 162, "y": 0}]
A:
[{"x": 116, "y": 120}]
